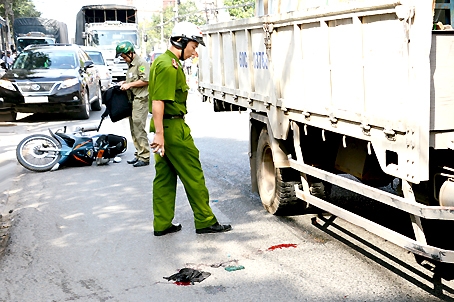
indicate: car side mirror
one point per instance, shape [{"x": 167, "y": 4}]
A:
[{"x": 88, "y": 64}]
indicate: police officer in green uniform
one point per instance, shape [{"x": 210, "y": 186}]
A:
[
  {"x": 136, "y": 84},
  {"x": 175, "y": 152}
]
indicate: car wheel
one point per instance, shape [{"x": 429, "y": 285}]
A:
[
  {"x": 85, "y": 108},
  {"x": 96, "y": 105}
]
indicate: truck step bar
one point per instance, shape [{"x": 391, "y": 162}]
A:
[{"x": 429, "y": 212}]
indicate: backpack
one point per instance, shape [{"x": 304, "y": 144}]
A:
[{"x": 117, "y": 104}]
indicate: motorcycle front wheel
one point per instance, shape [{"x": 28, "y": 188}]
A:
[{"x": 38, "y": 152}]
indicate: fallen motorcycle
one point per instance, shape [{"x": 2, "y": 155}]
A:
[{"x": 40, "y": 152}]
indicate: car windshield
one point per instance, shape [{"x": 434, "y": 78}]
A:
[
  {"x": 112, "y": 37},
  {"x": 96, "y": 57},
  {"x": 45, "y": 59}
]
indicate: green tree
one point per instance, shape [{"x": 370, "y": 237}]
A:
[
  {"x": 25, "y": 8},
  {"x": 11, "y": 9},
  {"x": 187, "y": 11},
  {"x": 21, "y": 8},
  {"x": 240, "y": 9}
]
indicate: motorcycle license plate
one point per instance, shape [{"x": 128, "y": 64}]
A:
[{"x": 35, "y": 99}]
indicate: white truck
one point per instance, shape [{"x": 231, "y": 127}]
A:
[
  {"x": 339, "y": 87},
  {"x": 103, "y": 27}
]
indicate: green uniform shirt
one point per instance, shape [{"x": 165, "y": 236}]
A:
[
  {"x": 139, "y": 69},
  {"x": 168, "y": 83}
]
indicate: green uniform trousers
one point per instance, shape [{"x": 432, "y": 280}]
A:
[
  {"x": 137, "y": 123},
  {"x": 181, "y": 160}
]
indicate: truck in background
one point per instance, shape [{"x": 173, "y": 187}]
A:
[
  {"x": 345, "y": 87},
  {"x": 103, "y": 27},
  {"x": 35, "y": 30}
]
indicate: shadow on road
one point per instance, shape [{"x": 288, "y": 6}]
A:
[
  {"x": 45, "y": 117},
  {"x": 394, "y": 265}
]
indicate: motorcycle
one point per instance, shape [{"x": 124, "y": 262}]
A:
[{"x": 41, "y": 152}]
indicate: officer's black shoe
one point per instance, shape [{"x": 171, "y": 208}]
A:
[
  {"x": 141, "y": 163},
  {"x": 215, "y": 228},
  {"x": 172, "y": 229},
  {"x": 133, "y": 161}
]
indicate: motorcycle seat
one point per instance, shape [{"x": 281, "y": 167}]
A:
[{"x": 69, "y": 140}]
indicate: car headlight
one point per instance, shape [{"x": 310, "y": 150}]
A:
[
  {"x": 68, "y": 83},
  {"x": 7, "y": 85}
]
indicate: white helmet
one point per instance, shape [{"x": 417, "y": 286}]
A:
[{"x": 184, "y": 32}]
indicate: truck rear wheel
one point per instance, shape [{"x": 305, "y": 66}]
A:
[{"x": 276, "y": 186}]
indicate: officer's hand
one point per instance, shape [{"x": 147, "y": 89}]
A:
[
  {"x": 157, "y": 146},
  {"x": 124, "y": 86}
]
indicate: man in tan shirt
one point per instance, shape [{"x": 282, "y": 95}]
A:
[{"x": 137, "y": 86}]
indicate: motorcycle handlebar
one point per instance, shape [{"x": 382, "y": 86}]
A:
[{"x": 87, "y": 128}]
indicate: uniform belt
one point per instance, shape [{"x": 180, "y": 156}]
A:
[{"x": 171, "y": 117}]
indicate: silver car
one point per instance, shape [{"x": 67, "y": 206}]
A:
[{"x": 98, "y": 59}]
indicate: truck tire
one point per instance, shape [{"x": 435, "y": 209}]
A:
[{"x": 276, "y": 186}]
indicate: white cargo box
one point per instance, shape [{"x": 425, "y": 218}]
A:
[{"x": 367, "y": 70}]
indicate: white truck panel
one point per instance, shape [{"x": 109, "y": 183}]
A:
[
  {"x": 442, "y": 88},
  {"x": 217, "y": 64},
  {"x": 352, "y": 65},
  {"x": 205, "y": 67},
  {"x": 259, "y": 63},
  {"x": 229, "y": 64},
  {"x": 314, "y": 69},
  {"x": 244, "y": 82}
]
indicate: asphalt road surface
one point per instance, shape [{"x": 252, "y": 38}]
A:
[{"x": 85, "y": 233}]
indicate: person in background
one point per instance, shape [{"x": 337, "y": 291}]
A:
[
  {"x": 177, "y": 155},
  {"x": 195, "y": 66},
  {"x": 136, "y": 84},
  {"x": 8, "y": 59},
  {"x": 188, "y": 66}
]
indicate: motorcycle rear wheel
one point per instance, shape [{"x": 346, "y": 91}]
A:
[{"x": 38, "y": 152}]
